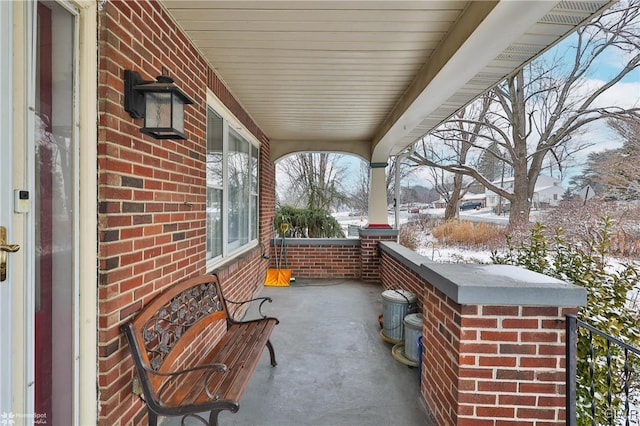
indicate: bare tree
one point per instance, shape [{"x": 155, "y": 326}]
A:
[
  {"x": 314, "y": 180},
  {"x": 360, "y": 194},
  {"x": 536, "y": 112},
  {"x": 443, "y": 183},
  {"x": 450, "y": 144},
  {"x": 616, "y": 172}
]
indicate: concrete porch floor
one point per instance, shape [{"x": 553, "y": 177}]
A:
[{"x": 333, "y": 367}]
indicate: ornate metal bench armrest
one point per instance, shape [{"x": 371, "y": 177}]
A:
[
  {"x": 212, "y": 368},
  {"x": 263, "y": 300}
]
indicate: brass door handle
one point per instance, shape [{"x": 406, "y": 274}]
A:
[
  {"x": 9, "y": 248},
  {"x": 4, "y": 249}
]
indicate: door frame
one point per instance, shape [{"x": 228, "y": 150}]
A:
[
  {"x": 88, "y": 364},
  {"x": 6, "y": 149}
]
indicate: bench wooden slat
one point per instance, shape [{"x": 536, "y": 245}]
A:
[
  {"x": 250, "y": 363},
  {"x": 241, "y": 345},
  {"x": 236, "y": 379}
]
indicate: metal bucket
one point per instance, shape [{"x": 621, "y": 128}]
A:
[
  {"x": 395, "y": 304},
  {"x": 412, "y": 332}
]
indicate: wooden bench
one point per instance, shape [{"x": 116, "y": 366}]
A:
[{"x": 178, "y": 380}]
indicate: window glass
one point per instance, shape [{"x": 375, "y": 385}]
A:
[
  {"x": 254, "y": 192},
  {"x": 232, "y": 189},
  {"x": 254, "y": 170},
  {"x": 215, "y": 179},
  {"x": 239, "y": 187}
]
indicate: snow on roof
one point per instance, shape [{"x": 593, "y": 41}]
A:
[
  {"x": 473, "y": 197},
  {"x": 546, "y": 180},
  {"x": 538, "y": 189}
]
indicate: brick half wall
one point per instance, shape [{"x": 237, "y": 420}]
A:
[
  {"x": 317, "y": 257},
  {"x": 493, "y": 339}
]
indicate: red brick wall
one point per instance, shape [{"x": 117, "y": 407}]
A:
[
  {"x": 512, "y": 365},
  {"x": 152, "y": 192},
  {"x": 333, "y": 258},
  {"x": 486, "y": 365},
  {"x": 441, "y": 374},
  {"x": 311, "y": 259},
  {"x": 394, "y": 275}
]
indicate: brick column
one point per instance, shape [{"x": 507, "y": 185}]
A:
[
  {"x": 370, "y": 251},
  {"x": 484, "y": 363}
]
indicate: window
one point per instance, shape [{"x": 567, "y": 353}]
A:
[{"x": 232, "y": 185}]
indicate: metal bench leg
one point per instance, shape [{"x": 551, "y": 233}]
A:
[
  {"x": 153, "y": 418},
  {"x": 213, "y": 417},
  {"x": 199, "y": 418},
  {"x": 271, "y": 353}
]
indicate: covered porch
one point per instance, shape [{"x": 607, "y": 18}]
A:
[
  {"x": 333, "y": 367},
  {"x": 493, "y": 346},
  {"x": 361, "y": 77}
]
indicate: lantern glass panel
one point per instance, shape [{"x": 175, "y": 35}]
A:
[
  {"x": 158, "y": 110},
  {"x": 178, "y": 114}
]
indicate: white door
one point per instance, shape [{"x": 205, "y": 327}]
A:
[{"x": 39, "y": 209}]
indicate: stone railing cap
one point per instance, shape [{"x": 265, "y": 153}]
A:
[
  {"x": 473, "y": 284},
  {"x": 318, "y": 241},
  {"x": 377, "y": 232},
  {"x": 501, "y": 285}
]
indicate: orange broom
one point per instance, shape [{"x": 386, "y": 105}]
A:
[{"x": 279, "y": 277}]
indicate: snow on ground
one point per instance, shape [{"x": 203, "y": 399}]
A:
[
  {"x": 454, "y": 255},
  {"x": 430, "y": 249},
  {"x": 436, "y": 252}
]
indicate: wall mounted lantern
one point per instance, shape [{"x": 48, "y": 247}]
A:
[{"x": 161, "y": 104}]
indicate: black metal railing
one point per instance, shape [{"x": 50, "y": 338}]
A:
[{"x": 611, "y": 388}]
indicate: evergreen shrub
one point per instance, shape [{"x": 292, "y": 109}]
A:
[
  {"x": 307, "y": 223},
  {"x": 608, "y": 284}
]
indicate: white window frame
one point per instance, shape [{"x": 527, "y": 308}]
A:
[{"x": 231, "y": 123}]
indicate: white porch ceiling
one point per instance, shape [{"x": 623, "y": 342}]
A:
[{"x": 367, "y": 77}]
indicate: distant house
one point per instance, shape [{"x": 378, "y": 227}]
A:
[{"x": 548, "y": 192}]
